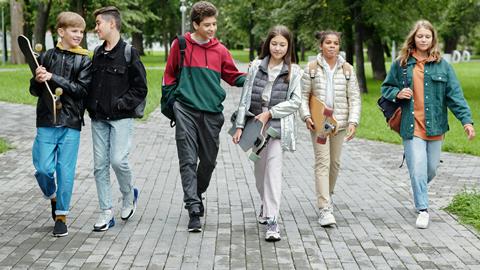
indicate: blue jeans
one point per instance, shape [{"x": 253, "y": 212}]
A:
[
  {"x": 422, "y": 159},
  {"x": 111, "y": 145},
  {"x": 55, "y": 151}
]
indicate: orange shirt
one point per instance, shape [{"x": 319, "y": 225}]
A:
[{"x": 419, "y": 101}]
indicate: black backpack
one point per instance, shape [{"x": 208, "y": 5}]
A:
[{"x": 168, "y": 96}]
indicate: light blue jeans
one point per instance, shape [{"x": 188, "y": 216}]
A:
[
  {"x": 111, "y": 145},
  {"x": 422, "y": 159},
  {"x": 55, "y": 151}
]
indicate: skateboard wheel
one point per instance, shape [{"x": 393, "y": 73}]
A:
[
  {"x": 321, "y": 140},
  {"x": 38, "y": 47},
  {"x": 58, "y": 91},
  {"x": 254, "y": 157},
  {"x": 273, "y": 132}
]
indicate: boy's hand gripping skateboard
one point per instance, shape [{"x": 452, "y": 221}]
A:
[
  {"x": 51, "y": 99},
  {"x": 324, "y": 122},
  {"x": 253, "y": 137}
]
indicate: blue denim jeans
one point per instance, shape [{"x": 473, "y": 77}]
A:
[
  {"x": 55, "y": 151},
  {"x": 422, "y": 159},
  {"x": 111, "y": 145}
]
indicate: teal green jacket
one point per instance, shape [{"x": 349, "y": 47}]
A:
[{"x": 442, "y": 90}]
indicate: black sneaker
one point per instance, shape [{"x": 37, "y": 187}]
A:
[
  {"x": 54, "y": 207},
  {"x": 194, "y": 224},
  {"x": 60, "y": 229}
]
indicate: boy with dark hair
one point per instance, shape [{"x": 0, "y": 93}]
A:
[
  {"x": 117, "y": 95},
  {"x": 55, "y": 148},
  {"x": 198, "y": 107}
]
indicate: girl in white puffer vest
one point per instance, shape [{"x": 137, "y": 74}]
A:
[{"x": 335, "y": 84}]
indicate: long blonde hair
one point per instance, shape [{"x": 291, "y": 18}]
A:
[{"x": 409, "y": 44}]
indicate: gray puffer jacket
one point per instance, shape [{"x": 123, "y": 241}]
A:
[
  {"x": 347, "y": 99},
  {"x": 285, "y": 111}
]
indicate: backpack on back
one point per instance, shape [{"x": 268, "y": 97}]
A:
[{"x": 168, "y": 95}]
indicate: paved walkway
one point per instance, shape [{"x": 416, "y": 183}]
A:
[{"x": 373, "y": 207}]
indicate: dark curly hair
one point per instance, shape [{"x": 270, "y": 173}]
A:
[
  {"x": 202, "y": 10},
  {"x": 322, "y": 35}
]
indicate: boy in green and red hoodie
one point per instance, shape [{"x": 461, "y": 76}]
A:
[{"x": 198, "y": 106}]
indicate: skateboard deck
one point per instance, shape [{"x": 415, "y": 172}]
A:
[
  {"x": 52, "y": 100},
  {"x": 324, "y": 122},
  {"x": 254, "y": 138},
  {"x": 251, "y": 135}
]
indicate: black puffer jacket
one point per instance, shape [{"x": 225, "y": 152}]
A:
[
  {"x": 75, "y": 84},
  {"x": 117, "y": 87}
]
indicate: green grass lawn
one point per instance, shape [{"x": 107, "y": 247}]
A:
[
  {"x": 373, "y": 124},
  {"x": 15, "y": 89},
  {"x": 466, "y": 205},
  {"x": 4, "y": 146}
]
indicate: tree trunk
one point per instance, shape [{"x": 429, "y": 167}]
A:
[
  {"x": 450, "y": 44},
  {"x": 165, "y": 45},
  {"x": 16, "y": 13},
  {"x": 386, "y": 49},
  {"x": 79, "y": 7},
  {"x": 251, "y": 37},
  {"x": 348, "y": 41},
  {"x": 4, "y": 45},
  {"x": 359, "y": 60},
  {"x": 41, "y": 22},
  {"x": 302, "y": 51},
  {"x": 137, "y": 42},
  {"x": 376, "y": 56}
]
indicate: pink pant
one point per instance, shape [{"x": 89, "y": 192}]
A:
[{"x": 268, "y": 176}]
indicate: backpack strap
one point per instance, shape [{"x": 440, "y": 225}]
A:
[
  {"x": 77, "y": 63},
  {"x": 182, "y": 44},
  {"x": 128, "y": 54},
  {"x": 347, "y": 71},
  {"x": 312, "y": 68}
]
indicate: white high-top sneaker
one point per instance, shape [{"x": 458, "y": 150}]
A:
[{"x": 105, "y": 221}]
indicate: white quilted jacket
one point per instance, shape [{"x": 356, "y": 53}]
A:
[{"x": 347, "y": 100}]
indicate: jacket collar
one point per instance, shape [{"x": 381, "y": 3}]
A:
[
  {"x": 264, "y": 66},
  {"x": 112, "y": 51}
]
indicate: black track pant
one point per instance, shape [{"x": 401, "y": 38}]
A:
[{"x": 197, "y": 137}]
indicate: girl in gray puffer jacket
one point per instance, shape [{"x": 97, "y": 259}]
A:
[{"x": 272, "y": 93}]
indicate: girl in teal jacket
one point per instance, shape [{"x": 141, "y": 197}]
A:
[{"x": 432, "y": 88}]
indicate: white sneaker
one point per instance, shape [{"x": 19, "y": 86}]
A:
[
  {"x": 105, "y": 221},
  {"x": 260, "y": 218},
  {"x": 326, "y": 217},
  {"x": 273, "y": 232},
  {"x": 128, "y": 208},
  {"x": 422, "y": 220}
]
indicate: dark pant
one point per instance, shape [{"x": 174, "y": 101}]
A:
[{"x": 197, "y": 137}]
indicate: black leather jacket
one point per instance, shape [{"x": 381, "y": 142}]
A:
[
  {"x": 117, "y": 87},
  {"x": 75, "y": 84}
]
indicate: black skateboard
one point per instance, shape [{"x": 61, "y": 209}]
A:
[{"x": 51, "y": 99}]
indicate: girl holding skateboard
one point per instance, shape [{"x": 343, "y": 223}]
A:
[
  {"x": 272, "y": 93},
  {"x": 332, "y": 80}
]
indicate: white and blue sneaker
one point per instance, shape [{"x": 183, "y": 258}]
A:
[
  {"x": 273, "y": 231},
  {"x": 105, "y": 221},
  {"x": 128, "y": 208}
]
